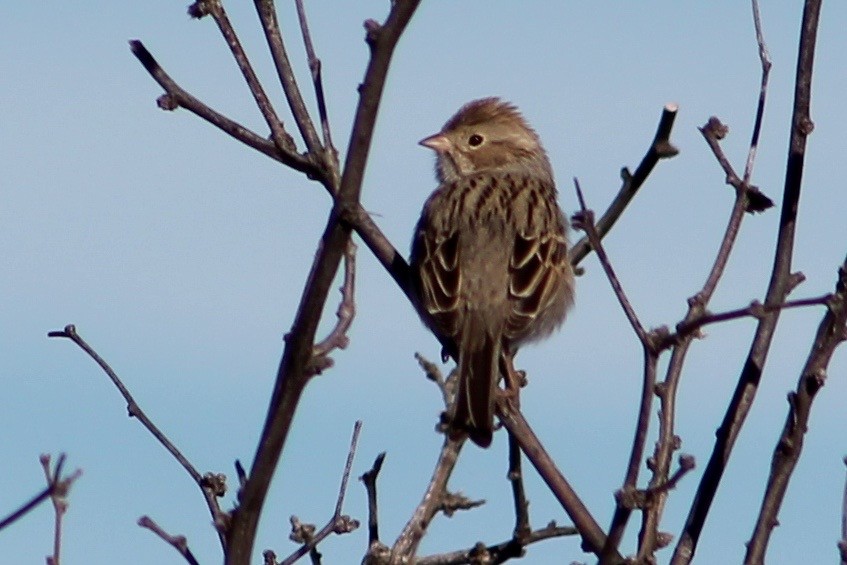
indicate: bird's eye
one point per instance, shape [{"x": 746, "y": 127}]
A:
[{"x": 475, "y": 140}]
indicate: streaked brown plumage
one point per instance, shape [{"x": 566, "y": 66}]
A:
[{"x": 489, "y": 253}]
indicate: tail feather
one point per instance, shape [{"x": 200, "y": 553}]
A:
[{"x": 479, "y": 354}]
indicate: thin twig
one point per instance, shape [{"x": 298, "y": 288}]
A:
[
  {"x": 780, "y": 284},
  {"x": 135, "y": 411},
  {"x": 51, "y": 488},
  {"x": 270, "y": 25},
  {"x": 27, "y": 506},
  {"x": 58, "y": 488},
  {"x": 180, "y": 543},
  {"x": 593, "y": 538},
  {"x": 337, "y": 524},
  {"x": 765, "y": 60},
  {"x": 294, "y": 369},
  {"x": 433, "y": 373},
  {"x": 660, "y": 148},
  {"x": 747, "y": 199},
  {"x": 584, "y": 220},
  {"x": 406, "y": 544},
  {"x": 59, "y": 504},
  {"x": 755, "y": 310},
  {"x": 337, "y": 338},
  {"x": 832, "y": 331},
  {"x": 500, "y": 553},
  {"x": 622, "y": 510},
  {"x": 177, "y": 97},
  {"x": 281, "y": 138},
  {"x": 713, "y": 132},
  {"x": 697, "y": 304},
  {"x": 522, "y": 525},
  {"x": 686, "y": 465},
  {"x": 357, "y": 428},
  {"x": 369, "y": 479},
  {"x": 315, "y": 69},
  {"x": 392, "y": 260}
]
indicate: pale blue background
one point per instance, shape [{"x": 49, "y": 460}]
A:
[{"x": 180, "y": 256}]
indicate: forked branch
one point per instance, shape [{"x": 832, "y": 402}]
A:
[
  {"x": 781, "y": 283},
  {"x": 134, "y": 411},
  {"x": 660, "y": 148},
  {"x": 832, "y": 331}
]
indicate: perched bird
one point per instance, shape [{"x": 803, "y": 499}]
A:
[{"x": 489, "y": 253}]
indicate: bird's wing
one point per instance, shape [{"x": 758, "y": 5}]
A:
[
  {"x": 540, "y": 274},
  {"x": 436, "y": 273}
]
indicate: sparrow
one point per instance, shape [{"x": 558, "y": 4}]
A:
[{"x": 489, "y": 255}]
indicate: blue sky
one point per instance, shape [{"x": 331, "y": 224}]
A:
[{"x": 180, "y": 255}]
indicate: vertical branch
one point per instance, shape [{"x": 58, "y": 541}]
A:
[
  {"x": 765, "y": 60},
  {"x": 210, "y": 486},
  {"x": 522, "y": 525},
  {"x": 780, "y": 285},
  {"x": 295, "y": 370},
  {"x": 832, "y": 331},
  {"x": 660, "y": 148},
  {"x": 369, "y": 479},
  {"x": 625, "y": 495},
  {"x": 406, "y": 544},
  {"x": 214, "y": 7},
  {"x": 315, "y": 69},
  {"x": 667, "y": 389},
  {"x": 585, "y": 221},
  {"x": 270, "y": 25},
  {"x": 593, "y": 538},
  {"x": 58, "y": 496}
]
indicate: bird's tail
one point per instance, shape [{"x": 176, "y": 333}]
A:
[{"x": 479, "y": 354}]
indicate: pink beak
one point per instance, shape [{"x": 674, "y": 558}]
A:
[{"x": 438, "y": 143}]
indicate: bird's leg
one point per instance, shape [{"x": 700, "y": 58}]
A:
[{"x": 514, "y": 379}]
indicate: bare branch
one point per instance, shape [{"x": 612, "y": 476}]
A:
[
  {"x": 623, "y": 510},
  {"x": 337, "y": 524},
  {"x": 59, "y": 497},
  {"x": 660, "y": 148},
  {"x": 447, "y": 386},
  {"x": 745, "y": 201},
  {"x": 57, "y": 490},
  {"x": 501, "y": 552},
  {"x": 295, "y": 367},
  {"x": 215, "y": 8},
  {"x": 593, "y": 538},
  {"x": 686, "y": 464},
  {"x": 584, "y": 220},
  {"x": 522, "y": 525},
  {"x": 267, "y": 16},
  {"x": 452, "y": 502},
  {"x": 755, "y": 310},
  {"x": 315, "y": 69},
  {"x": 832, "y": 331},
  {"x": 337, "y": 339},
  {"x": 180, "y": 543},
  {"x": 765, "y": 60},
  {"x": 369, "y": 479},
  {"x": 780, "y": 285},
  {"x": 406, "y": 544},
  {"x": 27, "y": 506},
  {"x": 177, "y": 97},
  {"x": 134, "y": 411},
  {"x": 713, "y": 132}
]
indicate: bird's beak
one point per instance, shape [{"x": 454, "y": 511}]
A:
[{"x": 438, "y": 142}]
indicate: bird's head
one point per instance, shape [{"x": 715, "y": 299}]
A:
[{"x": 487, "y": 135}]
